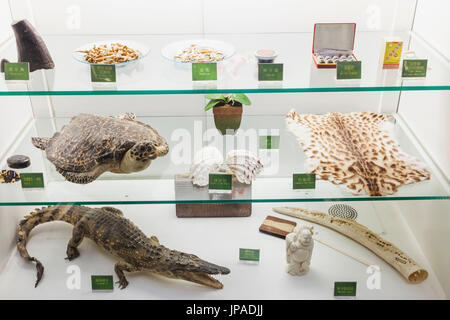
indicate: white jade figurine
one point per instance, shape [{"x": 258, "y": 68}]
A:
[{"x": 299, "y": 246}]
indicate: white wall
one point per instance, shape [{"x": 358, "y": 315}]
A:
[
  {"x": 428, "y": 115},
  {"x": 5, "y": 21},
  {"x": 16, "y": 111},
  {"x": 214, "y": 16},
  {"x": 429, "y": 222},
  {"x": 437, "y": 30}
]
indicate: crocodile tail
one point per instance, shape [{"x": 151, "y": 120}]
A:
[{"x": 35, "y": 218}]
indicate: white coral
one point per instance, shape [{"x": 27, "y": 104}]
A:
[
  {"x": 243, "y": 164},
  {"x": 206, "y": 161}
]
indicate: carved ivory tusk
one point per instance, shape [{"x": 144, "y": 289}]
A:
[{"x": 407, "y": 267}]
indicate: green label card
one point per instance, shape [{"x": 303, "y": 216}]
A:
[
  {"x": 249, "y": 254},
  {"x": 270, "y": 72},
  {"x": 32, "y": 180},
  {"x": 269, "y": 142},
  {"x": 348, "y": 70},
  {"x": 204, "y": 71},
  {"x": 103, "y": 73},
  {"x": 17, "y": 71},
  {"x": 414, "y": 68},
  {"x": 345, "y": 289},
  {"x": 304, "y": 181},
  {"x": 102, "y": 283},
  {"x": 220, "y": 181}
]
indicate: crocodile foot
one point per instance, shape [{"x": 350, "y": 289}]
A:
[
  {"x": 123, "y": 283},
  {"x": 72, "y": 253}
]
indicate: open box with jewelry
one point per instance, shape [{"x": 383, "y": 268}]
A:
[{"x": 333, "y": 42}]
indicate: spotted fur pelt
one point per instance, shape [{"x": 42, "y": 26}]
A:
[{"x": 355, "y": 150}]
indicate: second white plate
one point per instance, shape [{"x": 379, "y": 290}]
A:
[{"x": 176, "y": 48}]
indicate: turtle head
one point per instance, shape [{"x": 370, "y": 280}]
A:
[{"x": 161, "y": 147}]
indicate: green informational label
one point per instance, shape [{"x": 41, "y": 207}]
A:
[
  {"x": 103, "y": 73},
  {"x": 345, "y": 289},
  {"x": 414, "y": 68},
  {"x": 269, "y": 142},
  {"x": 249, "y": 254},
  {"x": 220, "y": 181},
  {"x": 17, "y": 71},
  {"x": 304, "y": 181},
  {"x": 204, "y": 71},
  {"x": 102, "y": 283},
  {"x": 270, "y": 72},
  {"x": 32, "y": 180},
  {"x": 348, "y": 70}
]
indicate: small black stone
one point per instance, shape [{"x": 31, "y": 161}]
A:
[{"x": 18, "y": 162}]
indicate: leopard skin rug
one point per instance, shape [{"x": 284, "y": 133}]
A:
[{"x": 355, "y": 150}]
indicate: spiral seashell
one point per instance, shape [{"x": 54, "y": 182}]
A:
[
  {"x": 244, "y": 164},
  {"x": 206, "y": 160}
]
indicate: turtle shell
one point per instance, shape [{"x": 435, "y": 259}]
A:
[{"x": 92, "y": 140}]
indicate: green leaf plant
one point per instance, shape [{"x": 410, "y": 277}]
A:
[{"x": 215, "y": 99}]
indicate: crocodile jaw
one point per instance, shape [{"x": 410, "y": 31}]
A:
[{"x": 200, "y": 278}]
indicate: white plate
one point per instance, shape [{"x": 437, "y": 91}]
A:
[
  {"x": 175, "y": 48},
  {"x": 143, "y": 49}
]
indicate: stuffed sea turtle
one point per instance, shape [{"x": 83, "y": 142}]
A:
[{"x": 91, "y": 145}]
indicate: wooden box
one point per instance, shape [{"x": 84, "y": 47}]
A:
[{"x": 185, "y": 190}]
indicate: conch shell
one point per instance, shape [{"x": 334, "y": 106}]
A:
[
  {"x": 206, "y": 160},
  {"x": 244, "y": 164}
]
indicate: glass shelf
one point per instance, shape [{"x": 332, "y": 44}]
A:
[
  {"x": 157, "y": 75},
  {"x": 157, "y": 183}
]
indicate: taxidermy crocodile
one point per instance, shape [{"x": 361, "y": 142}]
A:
[{"x": 110, "y": 230}]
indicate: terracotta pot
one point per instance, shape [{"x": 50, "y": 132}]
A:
[{"x": 227, "y": 117}]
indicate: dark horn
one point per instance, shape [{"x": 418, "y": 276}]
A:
[{"x": 31, "y": 47}]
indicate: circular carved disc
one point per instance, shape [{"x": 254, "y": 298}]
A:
[
  {"x": 343, "y": 211},
  {"x": 18, "y": 162}
]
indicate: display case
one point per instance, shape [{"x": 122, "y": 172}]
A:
[{"x": 368, "y": 152}]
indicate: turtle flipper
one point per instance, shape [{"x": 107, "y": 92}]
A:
[
  {"x": 79, "y": 177},
  {"x": 40, "y": 143}
]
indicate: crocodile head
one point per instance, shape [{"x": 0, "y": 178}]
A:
[
  {"x": 202, "y": 273},
  {"x": 191, "y": 268}
]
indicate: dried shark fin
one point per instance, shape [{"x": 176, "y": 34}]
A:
[
  {"x": 406, "y": 266},
  {"x": 31, "y": 47}
]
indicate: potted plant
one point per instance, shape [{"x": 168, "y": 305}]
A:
[{"x": 227, "y": 110}]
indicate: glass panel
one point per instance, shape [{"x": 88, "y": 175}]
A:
[
  {"x": 157, "y": 75},
  {"x": 185, "y": 135}
]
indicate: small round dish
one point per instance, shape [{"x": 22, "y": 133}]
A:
[
  {"x": 175, "y": 48},
  {"x": 143, "y": 49},
  {"x": 266, "y": 55}
]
